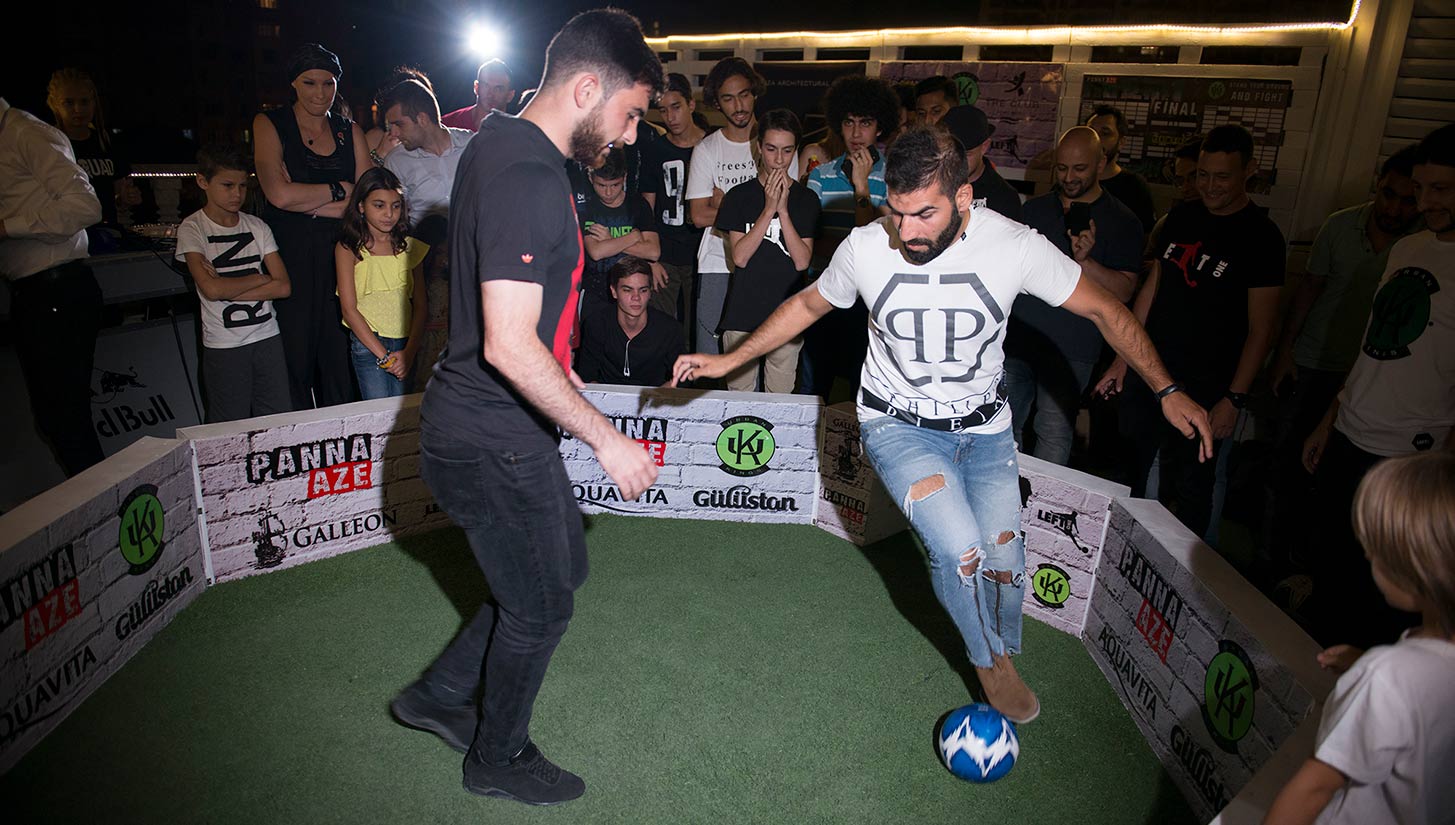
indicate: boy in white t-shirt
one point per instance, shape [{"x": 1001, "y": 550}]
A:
[
  {"x": 721, "y": 161},
  {"x": 939, "y": 279},
  {"x": 1386, "y": 744},
  {"x": 234, "y": 261}
]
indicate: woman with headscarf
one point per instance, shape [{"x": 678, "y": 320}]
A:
[{"x": 307, "y": 160}]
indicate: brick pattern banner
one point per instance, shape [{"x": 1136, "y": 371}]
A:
[
  {"x": 1063, "y": 520},
  {"x": 730, "y": 456},
  {"x": 852, "y": 502},
  {"x": 1210, "y": 698},
  {"x": 89, "y": 572},
  {"x": 310, "y": 485}
]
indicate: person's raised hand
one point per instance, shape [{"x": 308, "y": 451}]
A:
[
  {"x": 863, "y": 165},
  {"x": 1083, "y": 242}
]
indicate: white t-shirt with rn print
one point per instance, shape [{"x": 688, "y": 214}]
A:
[
  {"x": 937, "y": 329},
  {"x": 233, "y": 251}
]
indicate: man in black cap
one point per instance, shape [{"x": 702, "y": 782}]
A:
[{"x": 969, "y": 125}]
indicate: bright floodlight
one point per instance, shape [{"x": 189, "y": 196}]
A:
[{"x": 483, "y": 40}]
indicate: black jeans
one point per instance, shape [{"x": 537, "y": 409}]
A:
[
  {"x": 315, "y": 341},
  {"x": 1186, "y": 484},
  {"x": 1347, "y": 606},
  {"x": 1302, "y": 407},
  {"x": 522, "y": 522},
  {"x": 55, "y": 315}
]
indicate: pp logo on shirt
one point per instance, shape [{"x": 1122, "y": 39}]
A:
[{"x": 957, "y": 330}]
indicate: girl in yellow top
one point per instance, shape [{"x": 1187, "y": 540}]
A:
[{"x": 381, "y": 288}]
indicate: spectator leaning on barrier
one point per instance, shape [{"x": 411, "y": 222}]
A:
[
  {"x": 629, "y": 341},
  {"x": 55, "y": 303}
]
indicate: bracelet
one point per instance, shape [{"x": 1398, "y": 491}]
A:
[
  {"x": 382, "y": 362},
  {"x": 1169, "y": 389},
  {"x": 336, "y": 191},
  {"x": 1238, "y": 399}
]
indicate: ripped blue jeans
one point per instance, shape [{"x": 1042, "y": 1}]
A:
[{"x": 961, "y": 493}]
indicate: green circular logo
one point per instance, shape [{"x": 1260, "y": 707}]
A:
[
  {"x": 143, "y": 529},
  {"x": 968, "y": 86},
  {"x": 745, "y": 446},
  {"x": 1400, "y": 315},
  {"x": 1229, "y": 690},
  {"x": 1216, "y": 89},
  {"x": 1051, "y": 586}
]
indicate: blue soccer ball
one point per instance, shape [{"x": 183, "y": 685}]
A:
[{"x": 978, "y": 744}]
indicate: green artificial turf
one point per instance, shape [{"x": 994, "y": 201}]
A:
[{"x": 714, "y": 672}]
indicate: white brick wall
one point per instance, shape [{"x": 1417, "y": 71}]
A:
[
  {"x": 58, "y": 646},
  {"x": 1162, "y": 675},
  {"x": 289, "y": 515}
]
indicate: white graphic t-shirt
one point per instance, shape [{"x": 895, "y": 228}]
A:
[
  {"x": 233, "y": 251},
  {"x": 719, "y": 162},
  {"x": 1400, "y": 396},
  {"x": 936, "y": 329}
]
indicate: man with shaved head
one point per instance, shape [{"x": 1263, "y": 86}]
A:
[
  {"x": 1049, "y": 352},
  {"x": 494, "y": 89}
]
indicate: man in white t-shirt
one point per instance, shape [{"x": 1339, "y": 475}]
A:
[
  {"x": 1399, "y": 398},
  {"x": 234, "y": 261},
  {"x": 721, "y": 161},
  {"x": 939, "y": 285}
]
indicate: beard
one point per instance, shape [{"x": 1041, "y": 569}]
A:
[
  {"x": 588, "y": 142},
  {"x": 936, "y": 246},
  {"x": 1072, "y": 188}
]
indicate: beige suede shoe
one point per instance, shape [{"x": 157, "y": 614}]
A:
[{"x": 1005, "y": 691}]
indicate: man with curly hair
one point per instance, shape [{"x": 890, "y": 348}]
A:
[{"x": 860, "y": 111}]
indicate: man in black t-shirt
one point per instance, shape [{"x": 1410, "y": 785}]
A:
[
  {"x": 629, "y": 342},
  {"x": 1049, "y": 352},
  {"x": 664, "y": 180},
  {"x": 769, "y": 221},
  {"x": 490, "y": 415},
  {"x": 613, "y": 223},
  {"x": 1211, "y": 308},
  {"x": 1128, "y": 187},
  {"x": 970, "y": 126}
]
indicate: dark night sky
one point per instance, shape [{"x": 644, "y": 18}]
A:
[{"x": 144, "y": 54}]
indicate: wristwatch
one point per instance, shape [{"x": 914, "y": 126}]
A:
[
  {"x": 336, "y": 191},
  {"x": 864, "y": 202},
  {"x": 1169, "y": 389},
  {"x": 1239, "y": 399}
]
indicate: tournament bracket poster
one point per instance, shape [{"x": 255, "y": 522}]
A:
[
  {"x": 1163, "y": 112},
  {"x": 1021, "y": 100}
]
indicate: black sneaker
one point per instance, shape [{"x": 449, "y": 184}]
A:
[
  {"x": 419, "y": 708},
  {"x": 530, "y": 778}
]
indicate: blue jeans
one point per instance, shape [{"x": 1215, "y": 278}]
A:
[
  {"x": 961, "y": 494},
  {"x": 375, "y": 382},
  {"x": 1052, "y": 384}
]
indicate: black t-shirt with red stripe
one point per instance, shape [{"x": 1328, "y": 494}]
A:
[{"x": 512, "y": 217}]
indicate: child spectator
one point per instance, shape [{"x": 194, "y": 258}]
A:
[
  {"x": 770, "y": 222},
  {"x": 1386, "y": 744},
  {"x": 381, "y": 285},
  {"x": 629, "y": 342},
  {"x": 235, "y": 264},
  {"x": 614, "y": 223}
]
